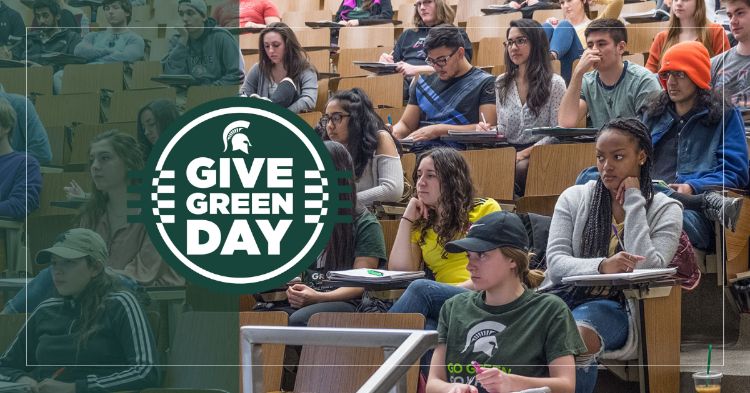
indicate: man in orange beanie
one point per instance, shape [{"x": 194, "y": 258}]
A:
[{"x": 699, "y": 141}]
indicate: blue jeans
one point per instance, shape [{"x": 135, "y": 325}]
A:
[
  {"x": 41, "y": 288},
  {"x": 426, "y": 297},
  {"x": 564, "y": 41},
  {"x": 609, "y": 320},
  {"x": 699, "y": 229},
  {"x": 301, "y": 316}
]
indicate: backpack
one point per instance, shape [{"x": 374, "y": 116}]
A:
[
  {"x": 537, "y": 229},
  {"x": 684, "y": 261}
]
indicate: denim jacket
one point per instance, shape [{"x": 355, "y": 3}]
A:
[{"x": 706, "y": 156}]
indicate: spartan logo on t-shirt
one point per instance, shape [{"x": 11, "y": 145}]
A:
[
  {"x": 420, "y": 44},
  {"x": 483, "y": 338}
]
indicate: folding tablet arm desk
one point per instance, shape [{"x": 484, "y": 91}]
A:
[{"x": 402, "y": 348}]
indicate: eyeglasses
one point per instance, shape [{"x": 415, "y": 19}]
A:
[
  {"x": 335, "y": 117},
  {"x": 425, "y": 3},
  {"x": 677, "y": 74},
  {"x": 440, "y": 61},
  {"x": 518, "y": 42}
]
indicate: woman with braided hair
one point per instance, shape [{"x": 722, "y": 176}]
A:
[{"x": 611, "y": 225}]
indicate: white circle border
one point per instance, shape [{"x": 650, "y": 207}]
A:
[{"x": 189, "y": 127}]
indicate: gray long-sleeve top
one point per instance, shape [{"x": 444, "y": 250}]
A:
[
  {"x": 306, "y": 82},
  {"x": 652, "y": 233}
]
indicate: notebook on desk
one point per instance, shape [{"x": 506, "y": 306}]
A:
[
  {"x": 563, "y": 131},
  {"x": 12, "y": 387},
  {"x": 377, "y": 67},
  {"x": 637, "y": 274}
]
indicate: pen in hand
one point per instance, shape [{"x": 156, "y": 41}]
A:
[{"x": 57, "y": 373}]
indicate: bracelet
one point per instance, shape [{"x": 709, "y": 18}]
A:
[{"x": 407, "y": 219}]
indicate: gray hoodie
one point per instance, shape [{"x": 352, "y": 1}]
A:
[
  {"x": 214, "y": 58},
  {"x": 652, "y": 233}
]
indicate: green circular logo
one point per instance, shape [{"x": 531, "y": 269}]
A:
[{"x": 240, "y": 195}]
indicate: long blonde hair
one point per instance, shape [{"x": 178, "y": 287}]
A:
[
  {"x": 530, "y": 278},
  {"x": 701, "y": 21},
  {"x": 443, "y": 14}
]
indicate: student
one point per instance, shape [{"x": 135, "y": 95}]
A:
[
  {"x": 283, "y": 73},
  {"x": 355, "y": 245},
  {"x": 246, "y": 13},
  {"x": 350, "y": 12},
  {"x": 521, "y": 338},
  {"x": 12, "y": 32},
  {"x": 455, "y": 97},
  {"x": 70, "y": 17},
  {"x": 50, "y": 37},
  {"x": 688, "y": 22},
  {"x": 730, "y": 71},
  {"x": 152, "y": 120},
  {"x": 699, "y": 140},
  {"x": 21, "y": 181},
  {"x": 208, "y": 53},
  {"x": 409, "y": 52},
  {"x": 28, "y": 135},
  {"x": 131, "y": 254},
  {"x": 614, "y": 88},
  {"x": 611, "y": 225},
  {"x": 566, "y": 37},
  {"x": 351, "y": 120},
  {"x": 93, "y": 337},
  {"x": 111, "y": 155},
  {"x": 442, "y": 210},
  {"x": 117, "y": 43},
  {"x": 528, "y": 93}
]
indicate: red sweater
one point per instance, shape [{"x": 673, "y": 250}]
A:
[{"x": 719, "y": 44}]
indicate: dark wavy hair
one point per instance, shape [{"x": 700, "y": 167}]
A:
[
  {"x": 538, "y": 66},
  {"x": 364, "y": 126},
  {"x": 339, "y": 252},
  {"x": 296, "y": 60},
  {"x": 456, "y": 196},
  {"x": 165, "y": 112},
  {"x": 92, "y": 301},
  {"x": 597, "y": 231},
  {"x": 657, "y": 103}
]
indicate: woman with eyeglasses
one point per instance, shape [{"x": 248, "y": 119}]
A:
[
  {"x": 688, "y": 22},
  {"x": 351, "y": 120},
  {"x": 566, "y": 39},
  {"x": 409, "y": 53},
  {"x": 283, "y": 74},
  {"x": 528, "y": 93}
]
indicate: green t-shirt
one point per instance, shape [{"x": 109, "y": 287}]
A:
[
  {"x": 624, "y": 99},
  {"x": 522, "y": 337},
  {"x": 368, "y": 242}
]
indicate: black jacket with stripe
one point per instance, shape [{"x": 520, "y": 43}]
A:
[{"x": 119, "y": 355}]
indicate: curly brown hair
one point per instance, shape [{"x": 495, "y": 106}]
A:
[{"x": 451, "y": 221}]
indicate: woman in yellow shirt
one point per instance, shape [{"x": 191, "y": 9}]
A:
[{"x": 443, "y": 210}]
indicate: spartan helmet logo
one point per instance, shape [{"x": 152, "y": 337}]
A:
[
  {"x": 233, "y": 133},
  {"x": 482, "y": 337}
]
